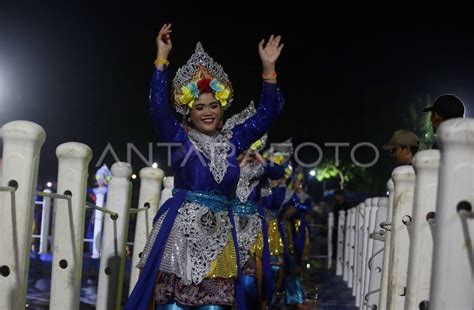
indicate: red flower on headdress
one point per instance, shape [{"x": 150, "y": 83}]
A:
[{"x": 204, "y": 85}]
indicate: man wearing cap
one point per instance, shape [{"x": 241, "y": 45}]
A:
[
  {"x": 403, "y": 145},
  {"x": 445, "y": 107}
]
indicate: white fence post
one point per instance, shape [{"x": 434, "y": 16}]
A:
[
  {"x": 347, "y": 246},
  {"x": 367, "y": 206},
  {"x": 368, "y": 248},
  {"x": 452, "y": 284},
  {"x": 387, "y": 247},
  {"x": 404, "y": 179},
  {"x": 375, "y": 263},
  {"x": 358, "y": 245},
  {"x": 352, "y": 239},
  {"x": 112, "y": 260},
  {"x": 73, "y": 161},
  {"x": 340, "y": 242},
  {"x": 149, "y": 197},
  {"x": 45, "y": 222},
  {"x": 22, "y": 143},
  {"x": 330, "y": 230},
  {"x": 167, "y": 192},
  {"x": 359, "y": 219},
  {"x": 426, "y": 165}
]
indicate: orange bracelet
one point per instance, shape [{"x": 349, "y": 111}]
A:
[
  {"x": 269, "y": 77},
  {"x": 161, "y": 61}
]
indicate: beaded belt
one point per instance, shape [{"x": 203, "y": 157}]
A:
[
  {"x": 247, "y": 208},
  {"x": 212, "y": 200}
]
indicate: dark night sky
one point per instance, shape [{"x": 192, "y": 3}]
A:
[{"x": 82, "y": 71}]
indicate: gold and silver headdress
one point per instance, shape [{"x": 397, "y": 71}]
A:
[
  {"x": 280, "y": 153},
  {"x": 103, "y": 173},
  {"x": 200, "y": 74}
]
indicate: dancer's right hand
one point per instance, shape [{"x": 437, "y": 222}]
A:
[{"x": 163, "y": 42}]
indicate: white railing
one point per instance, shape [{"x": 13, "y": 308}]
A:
[
  {"x": 376, "y": 202},
  {"x": 68, "y": 227},
  {"x": 413, "y": 250},
  {"x": 375, "y": 262},
  {"x": 404, "y": 180},
  {"x": 452, "y": 284},
  {"x": 340, "y": 242},
  {"x": 149, "y": 197},
  {"x": 387, "y": 245},
  {"x": 426, "y": 165},
  {"x": 22, "y": 145},
  {"x": 330, "y": 245}
]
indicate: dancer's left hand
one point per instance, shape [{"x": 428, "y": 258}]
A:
[{"x": 270, "y": 52}]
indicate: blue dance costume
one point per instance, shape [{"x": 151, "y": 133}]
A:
[{"x": 191, "y": 259}]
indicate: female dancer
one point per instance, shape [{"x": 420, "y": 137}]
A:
[
  {"x": 296, "y": 233},
  {"x": 254, "y": 193},
  {"x": 191, "y": 259}
]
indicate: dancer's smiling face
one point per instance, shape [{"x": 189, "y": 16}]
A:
[{"x": 206, "y": 114}]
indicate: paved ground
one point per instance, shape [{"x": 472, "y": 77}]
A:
[
  {"x": 323, "y": 289},
  {"x": 326, "y": 291}
]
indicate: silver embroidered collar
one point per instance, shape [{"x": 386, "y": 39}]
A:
[
  {"x": 288, "y": 194},
  {"x": 302, "y": 196},
  {"x": 240, "y": 117},
  {"x": 249, "y": 178},
  {"x": 215, "y": 149}
]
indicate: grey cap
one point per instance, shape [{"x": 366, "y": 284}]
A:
[{"x": 402, "y": 137}]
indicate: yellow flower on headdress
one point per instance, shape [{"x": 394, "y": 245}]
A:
[
  {"x": 256, "y": 145},
  {"x": 221, "y": 92},
  {"x": 187, "y": 98},
  {"x": 222, "y": 96}
]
